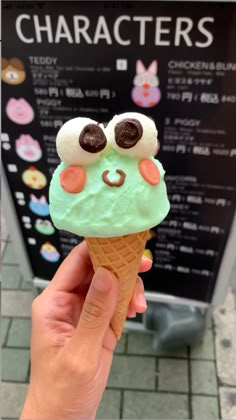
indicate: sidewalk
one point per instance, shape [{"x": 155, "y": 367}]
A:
[{"x": 197, "y": 383}]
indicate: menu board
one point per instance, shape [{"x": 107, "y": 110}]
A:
[{"x": 173, "y": 61}]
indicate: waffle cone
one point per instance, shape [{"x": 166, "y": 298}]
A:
[{"x": 121, "y": 255}]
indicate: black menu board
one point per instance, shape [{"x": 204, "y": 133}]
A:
[{"x": 173, "y": 61}]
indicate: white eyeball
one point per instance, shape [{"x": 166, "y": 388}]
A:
[
  {"x": 133, "y": 134},
  {"x": 80, "y": 141},
  {"x": 153, "y": 81},
  {"x": 139, "y": 80}
]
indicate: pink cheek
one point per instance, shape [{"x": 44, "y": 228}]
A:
[
  {"x": 149, "y": 171},
  {"x": 73, "y": 179}
]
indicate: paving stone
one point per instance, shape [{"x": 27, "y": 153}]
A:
[
  {"x": 20, "y": 333},
  {"x": 3, "y": 247},
  {"x": 15, "y": 364},
  {"x": 205, "y": 407},
  {"x": 13, "y": 397},
  {"x": 225, "y": 340},
  {"x": 142, "y": 343},
  {"x": 9, "y": 255},
  {"x": 233, "y": 277},
  {"x": 26, "y": 285},
  {"x": 228, "y": 403},
  {"x": 209, "y": 322},
  {"x": 4, "y": 329},
  {"x": 132, "y": 372},
  {"x": 227, "y": 307},
  {"x": 16, "y": 303},
  {"x": 206, "y": 349},
  {"x": 4, "y": 230},
  {"x": 151, "y": 405},
  {"x": 11, "y": 277},
  {"x": 110, "y": 405},
  {"x": 173, "y": 375},
  {"x": 226, "y": 355},
  {"x": 203, "y": 375},
  {"x": 120, "y": 347},
  {"x": 175, "y": 352}
]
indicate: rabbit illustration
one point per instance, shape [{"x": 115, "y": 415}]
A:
[{"x": 146, "y": 92}]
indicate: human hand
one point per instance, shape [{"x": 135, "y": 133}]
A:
[{"x": 72, "y": 342}]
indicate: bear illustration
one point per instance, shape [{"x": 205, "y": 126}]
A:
[{"x": 13, "y": 71}]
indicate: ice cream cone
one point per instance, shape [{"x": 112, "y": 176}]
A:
[
  {"x": 121, "y": 255},
  {"x": 107, "y": 186}
]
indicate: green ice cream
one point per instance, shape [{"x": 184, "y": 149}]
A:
[{"x": 103, "y": 209}]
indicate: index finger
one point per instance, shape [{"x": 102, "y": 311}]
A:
[
  {"x": 73, "y": 270},
  {"x": 77, "y": 266}
]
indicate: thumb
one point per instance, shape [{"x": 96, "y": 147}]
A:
[{"x": 98, "y": 309}]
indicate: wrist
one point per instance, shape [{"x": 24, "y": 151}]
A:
[
  {"x": 34, "y": 410},
  {"x": 30, "y": 411}
]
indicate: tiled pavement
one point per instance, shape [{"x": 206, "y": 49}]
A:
[
  {"x": 143, "y": 384},
  {"x": 225, "y": 344}
]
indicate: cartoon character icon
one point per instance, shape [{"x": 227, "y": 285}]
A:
[
  {"x": 44, "y": 226},
  {"x": 39, "y": 206},
  {"x": 49, "y": 252},
  {"x": 146, "y": 92},
  {"x": 33, "y": 178},
  {"x": 13, "y": 71},
  {"x": 28, "y": 149},
  {"x": 19, "y": 111}
]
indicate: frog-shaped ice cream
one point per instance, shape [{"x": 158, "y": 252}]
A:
[{"x": 110, "y": 189}]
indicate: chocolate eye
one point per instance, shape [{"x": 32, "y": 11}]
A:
[
  {"x": 132, "y": 134},
  {"x": 127, "y": 133},
  {"x": 81, "y": 141},
  {"x": 92, "y": 138}
]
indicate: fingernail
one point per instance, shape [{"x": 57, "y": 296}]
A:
[
  {"x": 147, "y": 259},
  {"x": 102, "y": 280},
  {"x": 141, "y": 300},
  {"x": 132, "y": 314}
]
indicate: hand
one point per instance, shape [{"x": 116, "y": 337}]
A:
[{"x": 72, "y": 342}]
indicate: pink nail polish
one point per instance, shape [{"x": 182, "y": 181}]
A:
[
  {"x": 141, "y": 300},
  {"x": 132, "y": 314}
]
